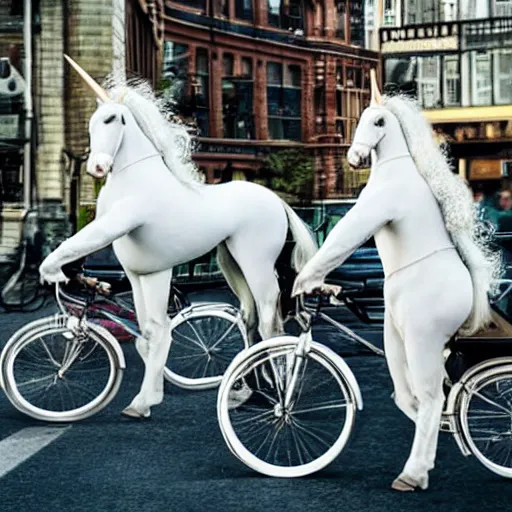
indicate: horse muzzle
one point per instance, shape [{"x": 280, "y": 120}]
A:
[
  {"x": 99, "y": 165},
  {"x": 358, "y": 156}
]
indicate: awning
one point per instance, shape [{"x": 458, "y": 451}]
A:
[{"x": 469, "y": 114}]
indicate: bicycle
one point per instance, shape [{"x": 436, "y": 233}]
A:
[
  {"x": 302, "y": 408},
  {"x": 300, "y": 414},
  {"x": 68, "y": 367}
]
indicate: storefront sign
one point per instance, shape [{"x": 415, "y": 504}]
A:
[
  {"x": 421, "y": 45},
  {"x": 9, "y": 126}
]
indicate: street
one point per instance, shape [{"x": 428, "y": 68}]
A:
[{"x": 177, "y": 460}]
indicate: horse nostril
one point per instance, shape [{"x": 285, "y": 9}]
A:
[{"x": 99, "y": 169}]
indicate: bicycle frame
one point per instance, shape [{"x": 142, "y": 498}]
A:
[{"x": 81, "y": 309}]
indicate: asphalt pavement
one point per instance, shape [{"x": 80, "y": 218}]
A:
[{"x": 177, "y": 460}]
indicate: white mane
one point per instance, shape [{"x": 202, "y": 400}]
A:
[
  {"x": 172, "y": 140},
  {"x": 469, "y": 234}
]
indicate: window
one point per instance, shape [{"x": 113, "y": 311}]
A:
[
  {"x": 201, "y": 92},
  {"x": 247, "y": 66},
  {"x": 390, "y": 13},
  {"x": 243, "y": 10},
  {"x": 286, "y": 14},
  {"x": 481, "y": 82},
  {"x": 449, "y": 10},
  {"x": 228, "y": 63},
  {"x": 356, "y": 23},
  {"x": 422, "y": 11},
  {"x": 175, "y": 71},
  {"x": 222, "y": 7},
  {"x": 451, "y": 86},
  {"x": 429, "y": 93},
  {"x": 474, "y": 9},
  {"x": 341, "y": 19},
  {"x": 502, "y": 8},
  {"x": 284, "y": 101},
  {"x": 503, "y": 76},
  {"x": 352, "y": 97},
  {"x": 238, "y": 100}
]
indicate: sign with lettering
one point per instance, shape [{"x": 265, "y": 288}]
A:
[
  {"x": 421, "y": 45},
  {"x": 9, "y": 126}
]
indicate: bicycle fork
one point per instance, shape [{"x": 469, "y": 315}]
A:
[{"x": 291, "y": 383}]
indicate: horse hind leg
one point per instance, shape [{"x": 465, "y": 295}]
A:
[
  {"x": 425, "y": 361},
  {"x": 263, "y": 284},
  {"x": 236, "y": 281},
  {"x": 156, "y": 331},
  {"x": 394, "y": 349}
]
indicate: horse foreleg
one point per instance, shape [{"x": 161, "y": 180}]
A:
[{"x": 156, "y": 332}]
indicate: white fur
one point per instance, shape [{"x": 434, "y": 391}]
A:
[
  {"x": 157, "y": 214},
  {"x": 437, "y": 265},
  {"x": 456, "y": 202}
]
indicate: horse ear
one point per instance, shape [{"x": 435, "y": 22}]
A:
[{"x": 376, "y": 95}]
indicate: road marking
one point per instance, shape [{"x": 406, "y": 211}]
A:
[{"x": 22, "y": 445}]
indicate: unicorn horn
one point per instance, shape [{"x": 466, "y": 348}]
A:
[
  {"x": 376, "y": 95},
  {"x": 98, "y": 90}
]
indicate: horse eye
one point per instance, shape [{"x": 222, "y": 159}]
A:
[
  {"x": 379, "y": 122},
  {"x": 110, "y": 119}
]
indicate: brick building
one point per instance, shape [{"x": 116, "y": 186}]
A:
[
  {"x": 103, "y": 36},
  {"x": 264, "y": 76}
]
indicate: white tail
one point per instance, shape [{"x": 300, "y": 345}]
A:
[{"x": 305, "y": 245}]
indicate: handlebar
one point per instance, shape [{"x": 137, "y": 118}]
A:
[
  {"x": 101, "y": 287},
  {"x": 302, "y": 315}
]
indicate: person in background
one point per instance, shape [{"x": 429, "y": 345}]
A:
[
  {"x": 505, "y": 211},
  {"x": 485, "y": 207}
]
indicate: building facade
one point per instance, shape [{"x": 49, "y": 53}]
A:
[
  {"x": 264, "y": 76},
  {"x": 455, "y": 56},
  {"x": 103, "y": 36}
]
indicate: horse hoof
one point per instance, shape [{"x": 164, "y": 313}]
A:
[
  {"x": 405, "y": 484},
  {"x": 131, "y": 412}
]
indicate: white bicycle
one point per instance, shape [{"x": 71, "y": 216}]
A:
[
  {"x": 69, "y": 366},
  {"x": 302, "y": 405}
]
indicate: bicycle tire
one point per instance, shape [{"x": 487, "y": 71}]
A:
[
  {"x": 205, "y": 339},
  {"x": 240, "y": 431},
  {"x": 12, "y": 366}
]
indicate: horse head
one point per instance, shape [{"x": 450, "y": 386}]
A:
[
  {"x": 376, "y": 123},
  {"x": 107, "y": 127}
]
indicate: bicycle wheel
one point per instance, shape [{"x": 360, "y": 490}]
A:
[
  {"x": 299, "y": 439},
  {"x": 56, "y": 374},
  {"x": 205, "y": 339},
  {"x": 485, "y": 416}
]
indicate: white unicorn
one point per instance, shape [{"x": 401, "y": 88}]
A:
[
  {"x": 438, "y": 270},
  {"x": 158, "y": 214}
]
